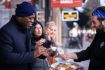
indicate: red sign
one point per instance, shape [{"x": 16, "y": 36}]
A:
[
  {"x": 7, "y": 4},
  {"x": 65, "y": 3}
]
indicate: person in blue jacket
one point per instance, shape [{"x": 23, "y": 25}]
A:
[
  {"x": 96, "y": 51},
  {"x": 16, "y": 52}
]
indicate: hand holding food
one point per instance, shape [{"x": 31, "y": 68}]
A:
[
  {"x": 40, "y": 50},
  {"x": 41, "y": 41},
  {"x": 64, "y": 56},
  {"x": 67, "y": 56}
]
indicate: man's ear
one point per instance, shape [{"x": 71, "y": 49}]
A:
[{"x": 103, "y": 22}]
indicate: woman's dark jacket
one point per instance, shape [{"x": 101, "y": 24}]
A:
[
  {"x": 14, "y": 52},
  {"x": 41, "y": 64},
  {"x": 96, "y": 53}
]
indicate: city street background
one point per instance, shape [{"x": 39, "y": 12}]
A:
[{"x": 74, "y": 32}]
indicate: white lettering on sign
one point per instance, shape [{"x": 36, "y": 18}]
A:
[{"x": 66, "y": 1}]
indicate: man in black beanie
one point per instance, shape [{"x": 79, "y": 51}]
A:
[{"x": 16, "y": 52}]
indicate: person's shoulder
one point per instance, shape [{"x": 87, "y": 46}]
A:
[{"x": 8, "y": 28}]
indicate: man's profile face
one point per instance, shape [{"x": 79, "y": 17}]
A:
[
  {"x": 95, "y": 22},
  {"x": 26, "y": 21}
]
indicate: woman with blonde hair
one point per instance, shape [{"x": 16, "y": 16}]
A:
[{"x": 50, "y": 30}]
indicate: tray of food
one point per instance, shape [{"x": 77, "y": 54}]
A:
[{"x": 66, "y": 66}]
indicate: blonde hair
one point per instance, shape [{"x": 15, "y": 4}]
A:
[{"x": 50, "y": 23}]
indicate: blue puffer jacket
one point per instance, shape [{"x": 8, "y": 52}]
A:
[{"x": 14, "y": 53}]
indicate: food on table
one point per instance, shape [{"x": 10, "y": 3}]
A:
[{"x": 63, "y": 67}]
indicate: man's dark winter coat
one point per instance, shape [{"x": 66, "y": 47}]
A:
[{"x": 14, "y": 52}]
